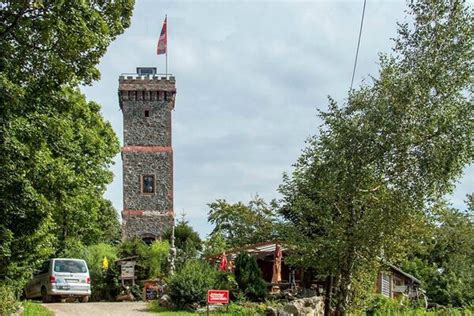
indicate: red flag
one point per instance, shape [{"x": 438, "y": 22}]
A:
[
  {"x": 162, "y": 42},
  {"x": 223, "y": 265}
]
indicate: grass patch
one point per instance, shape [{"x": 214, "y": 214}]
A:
[
  {"x": 35, "y": 309},
  {"x": 161, "y": 311}
]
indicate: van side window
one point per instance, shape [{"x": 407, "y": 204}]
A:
[{"x": 44, "y": 267}]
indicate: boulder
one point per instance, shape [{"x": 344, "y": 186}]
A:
[
  {"x": 271, "y": 311},
  {"x": 165, "y": 301},
  {"x": 311, "y": 306}
]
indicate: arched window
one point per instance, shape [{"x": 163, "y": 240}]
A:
[{"x": 148, "y": 238}]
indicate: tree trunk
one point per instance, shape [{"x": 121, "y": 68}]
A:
[
  {"x": 328, "y": 296},
  {"x": 347, "y": 267},
  {"x": 343, "y": 293}
]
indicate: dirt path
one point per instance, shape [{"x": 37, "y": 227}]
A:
[{"x": 100, "y": 309}]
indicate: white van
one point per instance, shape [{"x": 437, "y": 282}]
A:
[{"x": 60, "y": 278}]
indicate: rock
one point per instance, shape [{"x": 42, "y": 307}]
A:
[
  {"x": 212, "y": 308},
  {"x": 271, "y": 311},
  {"x": 311, "y": 306},
  {"x": 293, "y": 308},
  {"x": 128, "y": 297},
  {"x": 165, "y": 301}
]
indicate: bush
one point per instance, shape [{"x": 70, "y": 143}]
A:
[
  {"x": 8, "y": 303},
  {"x": 249, "y": 277},
  {"x": 190, "y": 284},
  {"x": 104, "y": 283},
  {"x": 226, "y": 281},
  {"x": 247, "y": 309},
  {"x": 151, "y": 259},
  {"x": 155, "y": 258},
  {"x": 380, "y": 305}
]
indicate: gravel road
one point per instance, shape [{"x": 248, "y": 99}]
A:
[{"x": 100, "y": 309}]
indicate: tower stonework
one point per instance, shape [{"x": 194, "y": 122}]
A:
[{"x": 147, "y": 155}]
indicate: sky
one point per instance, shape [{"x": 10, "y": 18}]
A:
[{"x": 250, "y": 77}]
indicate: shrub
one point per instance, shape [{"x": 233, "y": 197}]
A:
[
  {"x": 190, "y": 284},
  {"x": 381, "y": 304},
  {"x": 155, "y": 258},
  {"x": 226, "y": 281},
  {"x": 249, "y": 277},
  {"x": 151, "y": 259},
  {"x": 247, "y": 309},
  {"x": 8, "y": 303},
  {"x": 104, "y": 283}
]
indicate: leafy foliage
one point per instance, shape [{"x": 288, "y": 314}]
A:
[
  {"x": 58, "y": 42},
  {"x": 8, "y": 303},
  {"x": 242, "y": 224},
  {"x": 190, "y": 284},
  {"x": 215, "y": 244},
  {"x": 445, "y": 263},
  {"x": 151, "y": 259},
  {"x": 380, "y": 305},
  {"x": 56, "y": 147},
  {"x": 104, "y": 283},
  {"x": 249, "y": 277},
  {"x": 360, "y": 188},
  {"x": 226, "y": 281}
]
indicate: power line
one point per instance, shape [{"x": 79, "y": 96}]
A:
[{"x": 358, "y": 44}]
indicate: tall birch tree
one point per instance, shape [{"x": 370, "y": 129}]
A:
[{"x": 363, "y": 185}]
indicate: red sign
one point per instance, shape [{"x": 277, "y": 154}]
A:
[{"x": 218, "y": 297}]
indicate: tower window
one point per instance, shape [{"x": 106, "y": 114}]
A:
[
  {"x": 148, "y": 184},
  {"x": 147, "y": 113}
]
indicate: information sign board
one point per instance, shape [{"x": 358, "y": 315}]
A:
[
  {"x": 128, "y": 270},
  {"x": 218, "y": 297}
]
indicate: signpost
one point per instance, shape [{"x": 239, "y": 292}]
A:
[
  {"x": 217, "y": 297},
  {"x": 127, "y": 271}
]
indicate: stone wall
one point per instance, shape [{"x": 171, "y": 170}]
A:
[
  {"x": 139, "y": 226},
  {"x": 152, "y": 130},
  {"x": 137, "y": 164}
]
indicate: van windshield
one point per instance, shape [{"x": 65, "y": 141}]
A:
[{"x": 70, "y": 266}]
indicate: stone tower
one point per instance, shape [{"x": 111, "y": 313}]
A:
[{"x": 146, "y": 100}]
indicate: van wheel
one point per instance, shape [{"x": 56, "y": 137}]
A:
[
  {"x": 84, "y": 299},
  {"x": 44, "y": 295}
]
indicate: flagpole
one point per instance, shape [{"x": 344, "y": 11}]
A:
[{"x": 166, "y": 19}]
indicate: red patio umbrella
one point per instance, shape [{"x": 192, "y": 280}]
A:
[
  {"x": 223, "y": 264},
  {"x": 276, "y": 277}
]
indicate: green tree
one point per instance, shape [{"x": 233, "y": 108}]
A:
[
  {"x": 446, "y": 260},
  {"x": 249, "y": 277},
  {"x": 242, "y": 224},
  {"x": 45, "y": 44},
  {"x": 215, "y": 244},
  {"x": 362, "y": 187},
  {"x": 56, "y": 147}
]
